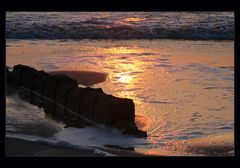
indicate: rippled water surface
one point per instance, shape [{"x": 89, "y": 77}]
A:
[{"x": 183, "y": 91}]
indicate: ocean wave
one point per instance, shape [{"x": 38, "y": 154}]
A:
[
  {"x": 159, "y": 25},
  {"x": 78, "y": 31}
]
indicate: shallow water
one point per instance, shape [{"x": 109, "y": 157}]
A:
[{"x": 183, "y": 92}]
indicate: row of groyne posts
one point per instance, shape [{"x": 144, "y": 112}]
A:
[{"x": 62, "y": 98}]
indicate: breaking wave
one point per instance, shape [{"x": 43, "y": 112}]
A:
[{"x": 125, "y": 25}]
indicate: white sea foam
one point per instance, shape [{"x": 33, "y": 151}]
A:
[{"x": 93, "y": 136}]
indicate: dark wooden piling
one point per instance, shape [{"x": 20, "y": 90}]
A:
[{"x": 61, "y": 97}]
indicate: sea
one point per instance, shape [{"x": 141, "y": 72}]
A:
[{"x": 178, "y": 67}]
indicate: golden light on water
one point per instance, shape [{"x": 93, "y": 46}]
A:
[
  {"x": 128, "y": 71},
  {"x": 122, "y": 50},
  {"x": 134, "y": 19},
  {"x": 129, "y": 75},
  {"x": 125, "y": 79}
]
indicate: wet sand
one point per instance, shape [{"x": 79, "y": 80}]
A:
[
  {"x": 86, "y": 78},
  {"x": 21, "y": 148},
  {"x": 16, "y": 147}
]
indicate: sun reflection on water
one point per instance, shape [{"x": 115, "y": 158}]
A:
[
  {"x": 125, "y": 79},
  {"x": 121, "y": 50},
  {"x": 134, "y": 19},
  {"x": 126, "y": 70}
]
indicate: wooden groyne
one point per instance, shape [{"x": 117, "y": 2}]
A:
[{"x": 61, "y": 97}]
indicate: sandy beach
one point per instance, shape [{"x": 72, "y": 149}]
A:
[
  {"x": 16, "y": 147},
  {"x": 21, "y": 148}
]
